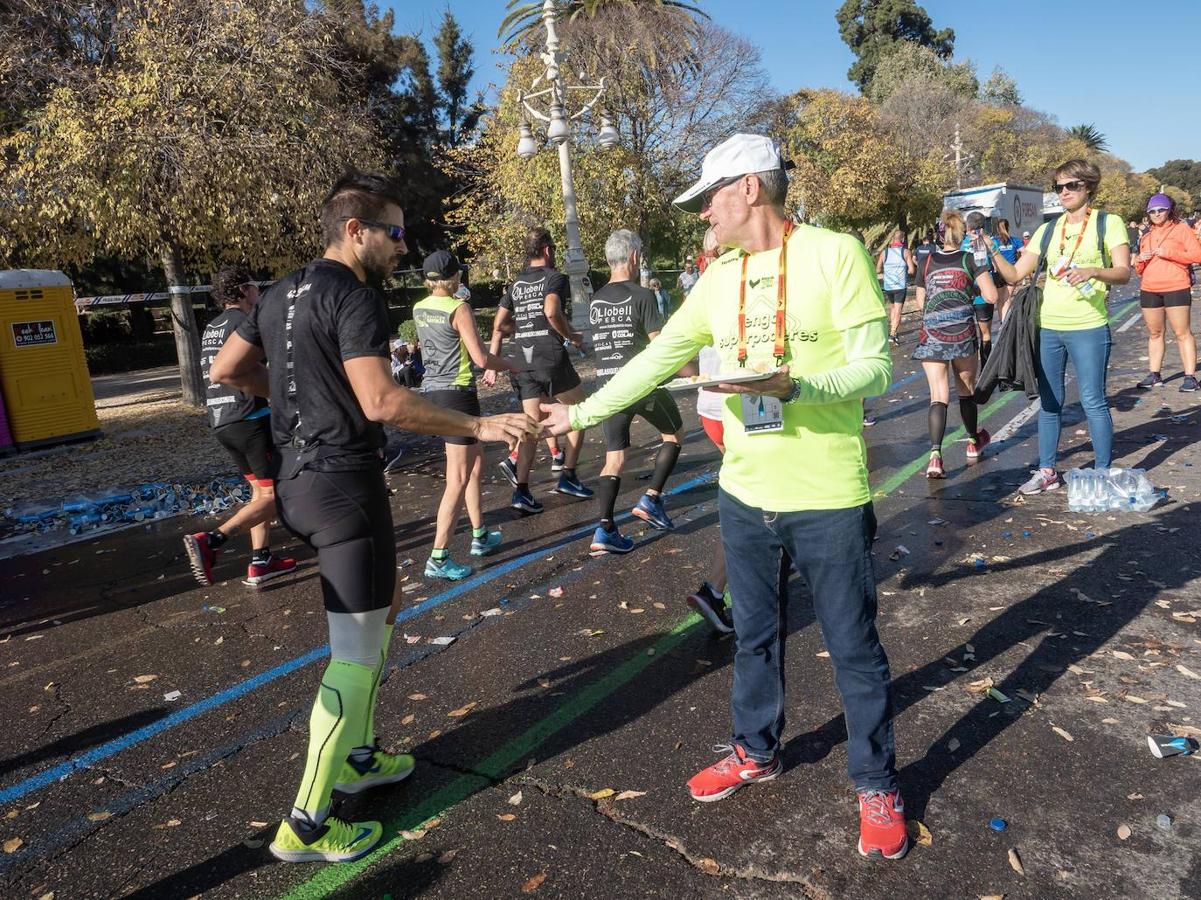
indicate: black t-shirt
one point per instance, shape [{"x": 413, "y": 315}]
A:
[
  {"x": 225, "y": 405},
  {"x": 541, "y": 347},
  {"x": 333, "y": 317},
  {"x": 623, "y": 315}
]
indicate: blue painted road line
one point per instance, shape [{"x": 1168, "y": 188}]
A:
[{"x": 241, "y": 689}]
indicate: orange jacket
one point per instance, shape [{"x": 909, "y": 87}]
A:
[{"x": 1178, "y": 248}]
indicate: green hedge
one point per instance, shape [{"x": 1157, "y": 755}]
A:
[{"x": 107, "y": 359}]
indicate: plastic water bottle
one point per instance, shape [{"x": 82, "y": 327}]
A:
[{"x": 1085, "y": 288}]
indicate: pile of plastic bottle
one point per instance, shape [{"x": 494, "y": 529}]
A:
[
  {"x": 1102, "y": 490},
  {"x": 108, "y": 509}
]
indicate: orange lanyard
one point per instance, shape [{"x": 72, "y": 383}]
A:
[
  {"x": 781, "y": 302},
  {"x": 1063, "y": 234}
]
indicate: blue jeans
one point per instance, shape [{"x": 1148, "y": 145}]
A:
[
  {"x": 1088, "y": 350},
  {"x": 832, "y": 551}
]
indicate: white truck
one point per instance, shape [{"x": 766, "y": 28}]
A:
[{"x": 1021, "y": 204}]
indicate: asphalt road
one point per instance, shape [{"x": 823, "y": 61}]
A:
[
  {"x": 128, "y": 387},
  {"x": 113, "y": 785}
]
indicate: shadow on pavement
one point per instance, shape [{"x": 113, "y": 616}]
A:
[{"x": 72, "y": 744}]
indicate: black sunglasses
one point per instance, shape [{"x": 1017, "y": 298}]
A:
[
  {"x": 1072, "y": 186},
  {"x": 395, "y": 232},
  {"x": 707, "y": 196}
]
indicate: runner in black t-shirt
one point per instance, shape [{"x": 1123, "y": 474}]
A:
[
  {"x": 325, "y": 336},
  {"x": 241, "y": 423},
  {"x": 532, "y": 308},
  {"x": 624, "y": 318}
]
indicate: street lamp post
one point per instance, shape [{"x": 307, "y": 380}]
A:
[{"x": 558, "y": 119}]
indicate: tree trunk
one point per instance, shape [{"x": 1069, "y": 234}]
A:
[{"x": 183, "y": 324}]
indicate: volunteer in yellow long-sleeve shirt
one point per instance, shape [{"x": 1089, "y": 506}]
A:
[{"x": 806, "y": 302}]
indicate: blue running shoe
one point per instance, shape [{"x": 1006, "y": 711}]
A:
[
  {"x": 650, "y": 510},
  {"x": 572, "y": 487},
  {"x": 609, "y": 542},
  {"x": 510, "y": 469},
  {"x": 482, "y": 546},
  {"x": 524, "y": 501},
  {"x": 446, "y": 569}
]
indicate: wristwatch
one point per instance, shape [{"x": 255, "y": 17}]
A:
[{"x": 793, "y": 394}]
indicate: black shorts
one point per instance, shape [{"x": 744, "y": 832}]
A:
[
  {"x": 657, "y": 407},
  {"x": 1153, "y": 300},
  {"x": 545, "y": 383},
  {"x": 467, "y": 402},
  {"x": 346, "y": 518},
  {"x": 983, "y": 311},
  {"x": 249, "y": 443},
  {"x": 897, "y": 296},
  {"x": 999, "y": 280}
]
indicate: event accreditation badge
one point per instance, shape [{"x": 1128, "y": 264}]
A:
[{"x": 761, "y": 414}]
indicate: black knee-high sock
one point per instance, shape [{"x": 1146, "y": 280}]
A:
[
  {"x": 937, "y": 419},
  {"x": 665, "y": 461},
  {"x": 967, "y": 412},
  {"x": 606, "y": 493},
  {"x": 985, "y": 350}
]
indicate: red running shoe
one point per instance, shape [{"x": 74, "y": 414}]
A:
[
  {"x": 272, "y": 568},
  {"x": 882, "y": 825},
  {"x": 722, "y": 779},
  {"x": 975, "y": 447},
  {"x": 934, "y": 468},
  {"x": 200, "y": 556}
]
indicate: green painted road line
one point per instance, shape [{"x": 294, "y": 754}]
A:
[{"x": 331, "y": 877}]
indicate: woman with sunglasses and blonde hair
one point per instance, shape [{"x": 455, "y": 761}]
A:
[
  {"x": 1073, "y": 319},
  {"x": 1166, "y": 253}
]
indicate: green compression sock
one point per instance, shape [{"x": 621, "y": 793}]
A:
[
  {"x": 366, "y": 745},
  {"x": 335, "y": 724}
]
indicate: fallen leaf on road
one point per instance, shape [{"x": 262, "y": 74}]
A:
[
  {"x": 408, "y": 720},
  {"x": 516, "y": 799},
  {"x": 992, "y": 897},
  {"x": 534, "y": 883},
  {"x": 416, "y": 696},
  {"x": 1015, "y": 862},
  {"x": 1131, "y": 698},
  {"x": 144, "y": 679},
  {"x": 1184, "y": 730},
  {"x": 1097, "y": 698},
  {"x": 462, "y": 710},
  {"x": 709, "y": 866},
  {"x": 602, "y": 794},
  {"x": 12, "y": 845},
  {"x": 1122, "y": 654},
  {"x": 506, "y": 817},
  {"x": 980, "y": 687},
  {"x": 99, "y": 816},
  {"x": 446, "y": 857},
  {"x": 1124, "y": 832},
  {"x": 1187, "y": 672},
  {"x": 555, "y": 592},
  {"x": 414, "y": 835},
  {"x": 443, "y": 641},
  {"x": 658, "y": 605},
  {"x": 1063, "y": 734},
  {"x": 629, "y": 795},
  {"x": 824, "y": 654},
  {"x": 919, "y": 833}
]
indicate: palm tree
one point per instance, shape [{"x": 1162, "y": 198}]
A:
[
  {"x": 525, "y": 16},
  {"x": 1090, "y": 137}
]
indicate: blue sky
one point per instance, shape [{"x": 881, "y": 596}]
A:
[{"x": 1147, "y": 107}]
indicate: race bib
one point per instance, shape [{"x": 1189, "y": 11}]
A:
[{"x": 761, "y": 413}]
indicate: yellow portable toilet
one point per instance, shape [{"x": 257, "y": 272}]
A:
[{"x": 43, "y": 371}]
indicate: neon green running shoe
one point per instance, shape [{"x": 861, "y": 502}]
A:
[
  {"x": 382, "y": 768},
  {"x": 335, "y": 840}
]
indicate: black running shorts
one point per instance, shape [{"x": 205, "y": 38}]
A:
[
  {"x": 249, "y": 444},
  {"x": 983, "y": 311},
  {"x": 897, "y": 296},
  {"x": 460, "y": 401},
  {"x": 1153, "y": 300},
  {"x": 657, "y": 407},
  {"x": 545, "y": 383},
  {"x": 346, "y": 518}
]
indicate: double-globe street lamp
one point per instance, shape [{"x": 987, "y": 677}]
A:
[{"x": 555, "y": 95}]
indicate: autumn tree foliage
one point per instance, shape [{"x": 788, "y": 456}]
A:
[{"x": 191, "y": 132}]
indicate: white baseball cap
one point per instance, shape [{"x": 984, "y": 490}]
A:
[{"x": 738, "y": 155}]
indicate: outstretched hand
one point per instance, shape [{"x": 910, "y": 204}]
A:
[
  {"x": 510, "y": 428},
  {"x": 556, "y": 419}
]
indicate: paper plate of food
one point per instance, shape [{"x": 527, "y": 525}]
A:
[{"x": 743, "y": 376}]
